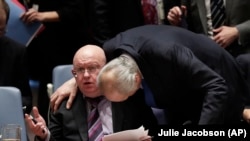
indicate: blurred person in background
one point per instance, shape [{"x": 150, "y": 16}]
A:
[
  {"x": 233, "y": 33},
  {"x": 110, "y": 17},
  {"x": 13, "y": 60}
]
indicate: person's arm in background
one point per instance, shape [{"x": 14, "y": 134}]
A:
[
  {"x": 228, "y": 34},
  {"x": 70, "y": 11},
  {"x": 176, "y": 15},
  {"x": 32, "y": 15}
]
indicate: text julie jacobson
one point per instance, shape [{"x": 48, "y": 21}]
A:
[{"x": 186, "y": 132}]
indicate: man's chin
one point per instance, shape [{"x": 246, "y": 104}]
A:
[
  {"x": 91, "y": 94},
  {"x": 117, "y": 100}
]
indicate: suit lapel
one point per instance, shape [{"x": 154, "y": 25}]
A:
[
  {"x": 229, "y": 4},
  {"x": 80, "y": 115},
  {"x": 202, "y": 13}
]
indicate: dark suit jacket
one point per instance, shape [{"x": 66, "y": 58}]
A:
[
  {"x": 71, "y": 125},
  {"x": 180, "y": 82},
  {"x": 111, "y": 17},
  {"x": 237, "y": 14},
  {"x": 14, "y": 70},
  {"x": 244, "y": 62}
]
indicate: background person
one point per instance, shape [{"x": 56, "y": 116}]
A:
[
  {"x": 233, "y": 34},
  {"x": 13, "y": 60},
  {"x": 110, "y": 17}
]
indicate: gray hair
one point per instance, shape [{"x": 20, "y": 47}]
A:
[{"x": 124, "y": 70}]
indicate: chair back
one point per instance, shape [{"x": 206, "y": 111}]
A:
[
  {"x": 11, "y": 110},
  {"x": 61, "y": 74}
]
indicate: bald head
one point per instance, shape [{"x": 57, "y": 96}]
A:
[
  {"x": 87, "y": 62},
  {"x": 89, "y": 53}
]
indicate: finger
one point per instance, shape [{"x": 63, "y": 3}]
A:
[
  {"x": 52, "y": 101},
  {"x": 216, "y": 30},
  {"x": 53, "y": 96},
  {"x": 177, "y": 11},
  {"x": 172, "y": 19},
  {"x": 28, "y": 119},
  {"x": 22, "y": 16},
  {"x": 26, "y": 16},
  {"x": 32, "y": 17},
  {"x": 184, "y": 10},
  {"x": 57, "y": 102},
  {"x": 70, "y": 100},
  {"x": 219, "y": 41},
  {"x": 36, "y": 112}
]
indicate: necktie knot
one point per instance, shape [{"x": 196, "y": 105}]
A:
[{"x": 94, "y": 101}]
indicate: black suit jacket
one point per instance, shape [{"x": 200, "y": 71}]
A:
[
  {"x": 14, "y": 70},
  {"x": 173, "y": 62},
  {"x": 111, "y": 17},
  {"x": 71, "y": 125}
]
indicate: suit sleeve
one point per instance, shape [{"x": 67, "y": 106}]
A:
[
  {"x": 55, "y": 126},
  {"x": 203, "y": 79},
  {"x": 244, "y": 32}
]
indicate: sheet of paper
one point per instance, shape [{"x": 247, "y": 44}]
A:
[{"x": 127, "y": 135}]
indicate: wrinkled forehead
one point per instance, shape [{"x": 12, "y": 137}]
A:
[
  {"x": 86, "y": 61},
  {"x": 89, "y": 56}
]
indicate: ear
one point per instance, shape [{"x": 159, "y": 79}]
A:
[
  {"x": 74, "y": 73},
  {"x": 138, "y": 79}
]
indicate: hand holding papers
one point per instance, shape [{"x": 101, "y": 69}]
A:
[
  {"x": 128, "y": 135},
  {"x": 17, "y": 29}
]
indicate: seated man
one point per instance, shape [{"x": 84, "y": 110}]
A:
[
  {"x": 72, "y": 125},
  {"x": 178, "y": 60}
]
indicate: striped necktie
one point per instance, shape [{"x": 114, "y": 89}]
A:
[
  {"x": 217, "y": 13},
  {"x": 94, "y": 122}
]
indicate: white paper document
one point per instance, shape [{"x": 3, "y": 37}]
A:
[{"x": 127, "y": 135}]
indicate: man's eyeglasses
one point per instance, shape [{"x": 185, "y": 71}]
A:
[{"x": 90, "y": 70}]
